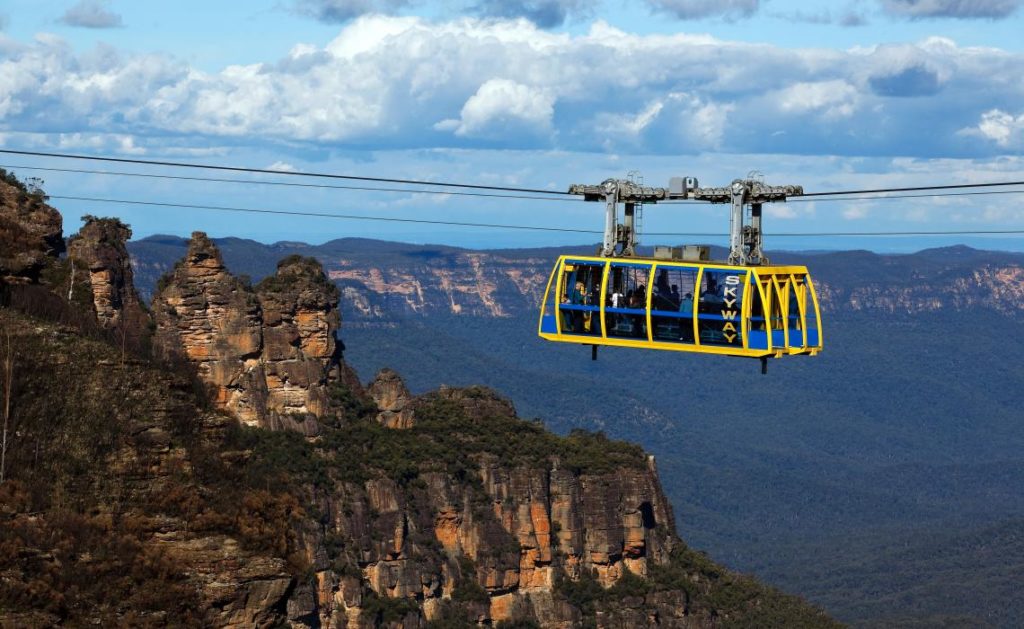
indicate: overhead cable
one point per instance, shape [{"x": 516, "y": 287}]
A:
[
  {"x": 292, "y": 173},
  {"x": 124, "y": 160},
  {"x": 356, "y": 217},
  {"x": 353, "y": 217},
  {"x": 574, "y": 199},
  {"x": 293, "y": 184}
]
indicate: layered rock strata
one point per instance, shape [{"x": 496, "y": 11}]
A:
[
  {"x": 31, "y": 232},
  {"x": 393, "y": 399},
  {"x": 267, "y": 353},
  {"x": 99, "y": 252}
]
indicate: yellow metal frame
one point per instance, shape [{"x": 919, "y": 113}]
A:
[{"x": 771, "y": 283}]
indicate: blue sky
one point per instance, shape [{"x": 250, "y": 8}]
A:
[{"x": 535, "y": 93}]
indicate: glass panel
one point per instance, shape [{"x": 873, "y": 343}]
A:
[
  {"x": 579, "y": 302},
  {"x": 811, "y": 317},
  {"x": 796, "y": 333},
  {"x": 721, "y": 307},
  {"x": 779, "y": 289},
  {"x": 626, "y": 314},
  {"x": 547, "y": 314},
  {"x": 673, "y": 299},
  {"x": 758, "y": 322}
]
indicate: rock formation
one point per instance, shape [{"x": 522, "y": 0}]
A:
[
  {"x": 207, "y": 315},
  {"x": 31, "y": 232},
  {"x": 300, "y": 317},
  {"x": 393, "y": 399},
  {"x": 131, "y": 504},
  {"x": 99, "y": 252},
  {"x": 267, "y": 353}
]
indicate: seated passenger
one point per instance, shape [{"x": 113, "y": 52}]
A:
[{"x": 674, "y": 294}]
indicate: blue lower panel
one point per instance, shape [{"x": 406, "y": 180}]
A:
[
  {"x": 548, "y": 325},
  {"x": 812, "y": 338},
  {"x": 796, "y": 337},
  {"x": 778, "y": 339},
  {"x": 757, "y": 339}
]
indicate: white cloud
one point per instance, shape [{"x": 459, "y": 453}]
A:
[
  {"x": 679, "y": 120},
  {"x": 91, "y": 14},
  {"x": 1000, "y": 127},
  {"x": 407, "y": 82},
  {"x": 833, "y": 99},
  {"x": 695, "y": 9},
  {"x": 855, "y": 212},
  {"x": 965, "y": 9},
  {"x": 500, "y": 107},
  {"x": 544, "y": 13},
  {"x": 336, "y": 11}
]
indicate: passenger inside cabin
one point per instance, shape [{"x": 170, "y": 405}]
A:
[
  {"x": 577, "y": 295},
  {"x": 686, "y": 309},
  {"x": 686, "y": 305},
  {"x": 633, "y": 299},
  {"x": 675, "y": 294}
]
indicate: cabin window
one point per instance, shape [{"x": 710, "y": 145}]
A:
[
  {"x": 547, "y": 315},
  {"x": 626, "y": 300},
  {"x": 672, "y": 304},
  {"x": 811, "y": 316},
  {"x": 796, "y": 292},
  {"x": 758, "y": 330},
  {"x": 720, "y": 320},
  {"x": 579, "y": 301}
]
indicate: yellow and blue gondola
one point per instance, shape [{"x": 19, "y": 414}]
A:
[{"x": 709, "y": 308}]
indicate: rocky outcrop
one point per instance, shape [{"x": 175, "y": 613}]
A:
[
  {"x": 99, "y": 252},
  {"x": 300, "y": 317},
  {"x": 513, "y": 533},
  {"x": 267, "y": 353},
  {"x": 213, "y": 320},
  {"x": 393, "y": 399},
  {"x": 31, "y": 232}
]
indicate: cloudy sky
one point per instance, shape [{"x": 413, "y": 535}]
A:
[{"x": 850, "y": 94}]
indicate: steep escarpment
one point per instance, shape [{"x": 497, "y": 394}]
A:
[
  {"x": 165, "y": 510},
  {"x": 237, "y": 474},
  {"x": 31, "y": 231}
]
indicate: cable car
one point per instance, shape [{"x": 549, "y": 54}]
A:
[{"x": 679, "y": 300}]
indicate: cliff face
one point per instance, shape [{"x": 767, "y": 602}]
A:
[
  {"x": 131, "y": 506},
  {"x": 30, "y": 230},
  {"x": 310, "y": 502},
  {"x": 99, "y": 250},
  {"x": 479, "y": 284},
  {"x": 300, "y": 318},
  {"x": 382, "y": 280},
  {"x": 267, "y": 353},
  {"x": 208, "y": 315}
]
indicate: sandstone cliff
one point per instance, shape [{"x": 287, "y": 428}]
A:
[
  {"x": 31, "y": 231},
  {"x": 267, "y": 352},
  {"x": 126, "y": 504},
  {"x": 242, "y": 477},
  {"x": 99, "y": 252}
]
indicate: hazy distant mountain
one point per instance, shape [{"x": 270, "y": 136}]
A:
[{"x": 382, "y": 280}]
